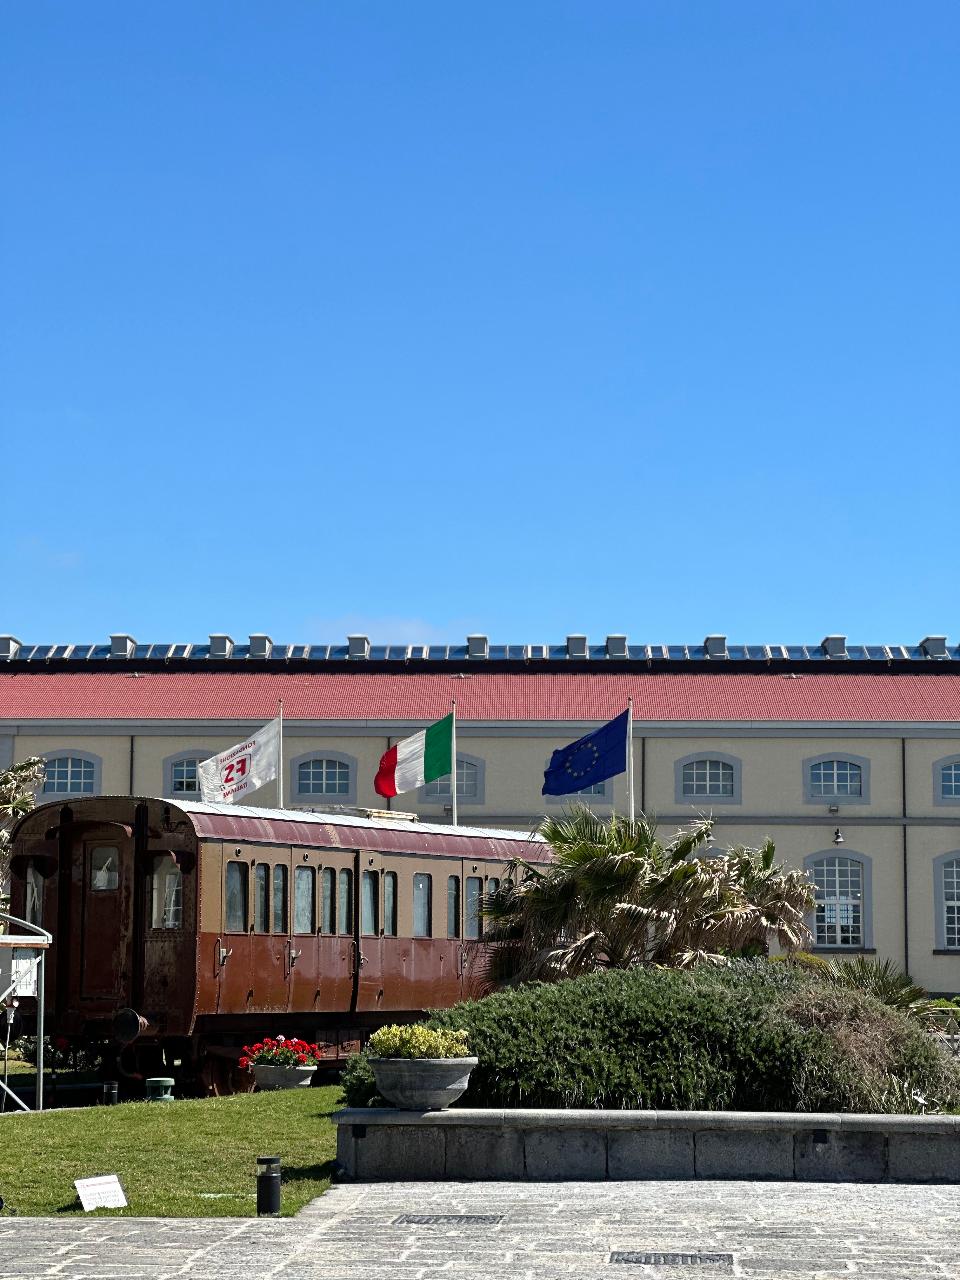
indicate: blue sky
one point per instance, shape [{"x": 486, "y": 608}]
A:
[{"x": 420, "y": 318}]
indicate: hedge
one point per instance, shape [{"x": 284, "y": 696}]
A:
[{"x": 750, "y": 1036}]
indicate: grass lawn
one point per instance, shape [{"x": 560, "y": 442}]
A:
[{"x": 189, "y": 1159}]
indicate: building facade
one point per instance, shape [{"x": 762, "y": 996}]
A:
[{"x": 849, "y": 757}]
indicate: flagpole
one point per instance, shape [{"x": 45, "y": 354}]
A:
[
  {"x": 280, "y": 755},
  {"x": 630, "y": 758},
  {"x": 453, "y": 762}
]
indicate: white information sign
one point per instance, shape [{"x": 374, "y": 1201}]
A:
[{"x": 101, "y": 1193}]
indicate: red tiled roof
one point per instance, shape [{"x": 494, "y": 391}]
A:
[{"x": 658, "y": 696}]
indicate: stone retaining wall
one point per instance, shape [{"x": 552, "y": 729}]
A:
[{"x": 382, "y": 1144}]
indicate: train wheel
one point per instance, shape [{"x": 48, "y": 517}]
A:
[{"x": 222, "y": 1077}]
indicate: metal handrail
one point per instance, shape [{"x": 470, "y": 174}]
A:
[{"x": 34, "y": 939}]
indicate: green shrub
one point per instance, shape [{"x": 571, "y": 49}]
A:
[
  {"x": 748, "y": 1036},
  {"x": 417, "y": 1041}
]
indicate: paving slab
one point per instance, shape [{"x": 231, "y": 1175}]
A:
[{"x": 544, "y": 1231}]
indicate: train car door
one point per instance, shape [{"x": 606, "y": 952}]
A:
[
  {"x": 306, "y": 986},
  {"x": 370, "y": 988},
  {"x": 479, "y": 879},
  {"x": 272, "y": 939},
  {"x": 336, "y": 949},
  {"x": 432, "y": 971},
  {"x": 233, "y": 954},
  {"x": 106, "y": 917}
]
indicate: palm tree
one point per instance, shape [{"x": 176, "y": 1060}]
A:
[
  {"x": 18, "y": 787},
  {"x": 615, "y": 895}
]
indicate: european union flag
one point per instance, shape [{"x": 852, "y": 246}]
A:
[{"x": 599, "y": 755}]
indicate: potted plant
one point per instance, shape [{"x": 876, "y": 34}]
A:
[
  {"x": 419, "y": 1069},
  {"x": 281, "y": 1063}
]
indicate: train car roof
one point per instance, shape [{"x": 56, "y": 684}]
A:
[{"x": 251, "y": 824}]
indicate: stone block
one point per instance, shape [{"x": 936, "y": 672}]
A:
[
  {"x": 757, "y": 1153},
  {"x": 475, "y": 1154},
  {"x": 399, "y": 1152},
  {"x": 650, "y": 1153},
  {"x": 922, "y": 1157},
  {"x": 553, "y": 1155},
  {"x": 843, "y": 1157}
]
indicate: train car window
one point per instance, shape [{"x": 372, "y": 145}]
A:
[
  {"x": 390, "y": 904},
  {"x": 369, "y": 903},
  {"x": 33, "y": 905},
  {"x": 280, "y": 899},
  {"x": 422, "y": 906},
  {"x": 474, "y": 894},
  {"x": 261, "y": 898},
  {"x": 166, "y": 896},
  {"x": 238, "y": 885},
  {"x": 304, "y": 900},
  {"x": 328, "y": 890},
  {"x": 345, "y": 905},
  {"x": 104, "y": 868},
  {"x": 453, "y": 906},
  {"x": 493, "y": 884}
]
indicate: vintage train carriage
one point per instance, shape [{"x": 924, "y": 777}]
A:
[{"x": 182, "y": 930}]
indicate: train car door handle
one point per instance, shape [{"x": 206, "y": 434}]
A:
[{"x": 223, "y": 953}]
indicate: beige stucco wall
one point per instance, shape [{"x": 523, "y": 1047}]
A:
[{"x": 772, "y": 801}]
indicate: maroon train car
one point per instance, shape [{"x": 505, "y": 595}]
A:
[{"x": 182, "y": 931}]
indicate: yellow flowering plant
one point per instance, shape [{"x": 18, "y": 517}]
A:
[{"x": 417, "y": 1041}]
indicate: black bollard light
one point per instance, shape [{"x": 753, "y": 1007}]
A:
[
  {"x": 110, "y": 1089},
  {"x": 268, "y": 1186}
]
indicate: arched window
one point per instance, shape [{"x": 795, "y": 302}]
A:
[
  {"x": 842, "y": 895},
  {"x": 836, "y": 780},
  {"x": 321, "y": 776},
  {"x": 946, "y": 895},
  {"x": 946, "y": 780},
  {"x": 708, "y": 777},
  {"x": 469, "y": 782},
  {"x": 72, "y": 773},
  {"x": 180, "y": 778}
]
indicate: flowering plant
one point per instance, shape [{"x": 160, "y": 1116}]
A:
[{"x": 281, "y": 1053}]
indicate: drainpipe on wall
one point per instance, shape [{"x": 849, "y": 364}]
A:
[
  {"x": 906, "y": 873},
  {"x": 643, "y": 775},
  {"x": 132, "y": 755}
]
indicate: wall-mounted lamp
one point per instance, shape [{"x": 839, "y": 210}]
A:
[
  {"x": 838, "y": 836},
  {"x": 833, "y": 808}
]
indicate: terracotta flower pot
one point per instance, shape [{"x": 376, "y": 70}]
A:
[
  {"x": 422, "y": 1084},
  {"x": 272, "y": 1075}
]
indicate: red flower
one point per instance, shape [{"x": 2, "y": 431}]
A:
[
  {"x": 244, "y": 1062},
  {"x": 302, "y": 1059}
]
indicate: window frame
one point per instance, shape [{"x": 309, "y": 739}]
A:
[
  {"x": 68, "y": 753},
  {"x": 475, "y": 800},
  {"x": 428, "y": 876},
  {"x": 194, "y": 754},
  {"x": 707, "y": 753},
  {"x": 245, "y": 877},
  {"x": 391, "y": 920},
  {"x": 317, "y": 799},
  {"x": 938, "y": 766},
  {"x": 940, "y": 902},
  {"x": 827, "y": 756},
  {"x": 161, "y": 862},
  {"x": 866, "y": 903},
  {"x": 311, "y": 876}
]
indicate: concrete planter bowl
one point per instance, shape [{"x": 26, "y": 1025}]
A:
[
  {"x": 422, "y": 1084},
  {"x": 272, "y": 1075}
]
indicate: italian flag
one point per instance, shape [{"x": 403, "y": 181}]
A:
[{"x": 416, "y": 760}]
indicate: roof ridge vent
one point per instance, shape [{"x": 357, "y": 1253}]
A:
[
  {"x": 934, "y": 646},
  {"x": 260, "y": 645},
  {"x": 122, "y": 646},
  {"x": 576, "y": 646},
  {"x": 221, "y": 645},
  {"x": 478, "y": 646},
  {"x": 834, "y": 646},
  {"x": 616, "y": 646},
  {"x": 9, "y": 648},
  {"x": 358, "y": 646},
  {"x": 715, "y": 646}
]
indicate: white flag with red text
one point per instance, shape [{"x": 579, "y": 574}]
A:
[{"x": 243, "y": 768}]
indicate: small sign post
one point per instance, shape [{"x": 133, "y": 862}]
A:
[{"x": 101, "y": 1193}]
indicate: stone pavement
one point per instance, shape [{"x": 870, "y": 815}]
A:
[{"x": 548, "y": 1231}]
